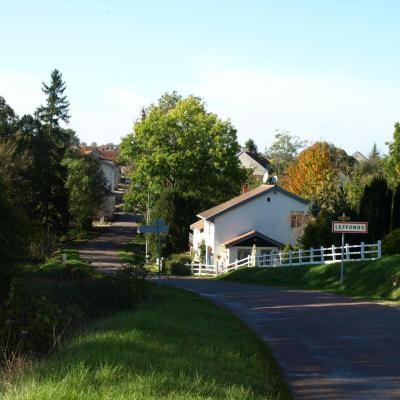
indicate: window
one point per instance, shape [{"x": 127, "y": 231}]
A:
[
  {"x": 296, "y": 219},
  {"x": 243, "y": 253}
]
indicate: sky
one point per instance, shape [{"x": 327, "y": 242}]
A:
[{"x": 322, "y": 70}]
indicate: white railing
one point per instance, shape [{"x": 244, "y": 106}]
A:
[{"x": 322, "y": 255}]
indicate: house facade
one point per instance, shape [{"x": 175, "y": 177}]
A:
[
  {"x": 257, "y": 163},
  {"x": 268, "y": 217}
]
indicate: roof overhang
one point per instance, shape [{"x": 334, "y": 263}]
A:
[{"x": 250, "y": 238}]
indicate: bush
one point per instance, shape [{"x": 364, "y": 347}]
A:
[
  {"x": 175, "y": 265},
  {"x": 43, "y": 304},
  {"x": 391, "y": 243}
]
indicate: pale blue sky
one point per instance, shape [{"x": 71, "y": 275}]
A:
[{"x": 322, "y": 70}]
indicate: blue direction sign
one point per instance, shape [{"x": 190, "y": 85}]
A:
[{"x": 158, "y": 227}]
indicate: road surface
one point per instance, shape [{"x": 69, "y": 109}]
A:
[
  {"x": 102, "y": 251},
  {"x": 329, "y": 347}
]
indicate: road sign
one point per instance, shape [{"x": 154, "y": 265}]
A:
[
  {"x": 349, "y": 227},
  {"x": 153, "y": 229},
  {"x": 158, "y": 227}
]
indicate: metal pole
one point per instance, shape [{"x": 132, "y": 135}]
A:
[
  {"x": 159, "y": 253},
  {"x": 147, "y": 222},
  {"x": 342, "y": 263}
]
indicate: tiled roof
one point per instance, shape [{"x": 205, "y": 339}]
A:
[
  {"x": 235, "y": 201},
  {"x": 198, "y": 224},
  {"x": 110, "y": 154}
]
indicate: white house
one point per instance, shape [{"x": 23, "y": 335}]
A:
[
  {"x": 267, "y": 216},
  {"x": 255, "y": 162}
]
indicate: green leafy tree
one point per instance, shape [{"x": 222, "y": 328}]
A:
[
  {"x": 86, "y": 190},
  {"x": 283, "y": 151},
  {"x": 396, "y": 209},
  {"x": 182, "y": 148},
  {"x": 392, "y": 164},
  {"x": 8, "y": 120}
]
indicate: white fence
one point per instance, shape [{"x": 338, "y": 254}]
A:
[{"x": 322, "y": 255}]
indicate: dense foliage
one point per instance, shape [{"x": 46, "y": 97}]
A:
[{"x": 185, "y": 158}]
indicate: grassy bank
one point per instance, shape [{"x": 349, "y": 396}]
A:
[
  {"x": 178, "y": 346},
  {"x": 378, "y": 279}
]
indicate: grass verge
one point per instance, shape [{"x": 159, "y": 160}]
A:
[
  {"x": 379, "y": 279},
  {"x": 178, "y": 346}
]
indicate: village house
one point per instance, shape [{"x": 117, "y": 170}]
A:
[
  {"x": 111, "y": 172},
  {"x": 268, "y": 217},
  {"x": 256, "y": 162}
]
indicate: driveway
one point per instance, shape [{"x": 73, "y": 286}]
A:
[
  {"x": 102, "y": 251},
  {"x": 329, "y": 347}
]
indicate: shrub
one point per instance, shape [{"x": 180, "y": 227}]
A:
[
  {"x": 175, "y": 265},
  {"x": 43, "y": 304},
  {"x": 391, "y": 243}
]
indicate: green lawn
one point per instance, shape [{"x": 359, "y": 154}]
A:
[
  {"x": 378, "y": 279},
  {"x": 178, "y": 346}
]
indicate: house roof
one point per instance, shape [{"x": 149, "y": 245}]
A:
[
  {"x": 359, "y": 156},
  {"x": 198, "y": 224},
  {"x": 110, "y": 155},
  {"x": 253, "y": 234},
  {"x": 258, "y": 158},
  {"x": 244, "y": 198}
]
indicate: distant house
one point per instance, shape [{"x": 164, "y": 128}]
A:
[
  {"x": 256, "y": 162},
  {"x": 112, "y": 176},
  {"x": 107, "y": 163},
  {"x": 267, "y": 216},
  {"x": 359, "y": 156}
]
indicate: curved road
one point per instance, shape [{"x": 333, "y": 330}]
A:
[{"x": 329, "y": 347}]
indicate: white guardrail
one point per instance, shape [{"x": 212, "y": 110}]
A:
[{"x": 322, "y": 255}]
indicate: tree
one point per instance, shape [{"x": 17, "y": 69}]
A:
[
  {"x": 376, "y": 208},
  {"x": 250, "y": 146},
  {"x": 283, "y": 151},
  {"x": 57, "y": 105},
  {"x": 392, "y": 164},
  {"x": 8, "y": 120},
  {"x": 319, "y": 174},
  {"x": 86, "y": 190},
  {"x": 13, "y": 243},
  {"x": 396, "y": 209},
  {"x": 182, "y": 148}
]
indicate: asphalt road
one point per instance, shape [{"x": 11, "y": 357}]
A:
[
  {"x": 102, "y": 251},
  {"x": 329, "y": 347}
]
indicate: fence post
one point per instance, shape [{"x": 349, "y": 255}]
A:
[
  {"x": 280, "y": 258},
  {"x": 290, "y": 257},
  {"x": 322, "y": 255},
  {"x": 199, "y": 268},
  {"x": 191, "y": 267},
  {"x": 362, "y": 251},
  {"x": 216, "y": 269},
  {"x": 312, "y": 255},
  {"x": 300, "y": 260},
  {"x": 379, "y": 249},
  {"x": 333, "y": 253},
  {"x": 236, "y": 264},
  {"x": 347, "y": 252}
]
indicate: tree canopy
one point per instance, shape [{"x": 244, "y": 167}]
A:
[
  {"x": 181, "y": 147},
  {"x": 283, "y": 151}
]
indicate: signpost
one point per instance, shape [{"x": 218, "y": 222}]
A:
[
  {"x": 158, "y": 228},
  {"x": 344, "y": 225}
]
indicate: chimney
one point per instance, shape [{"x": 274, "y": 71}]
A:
[{"x": 245, "y": 188}]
